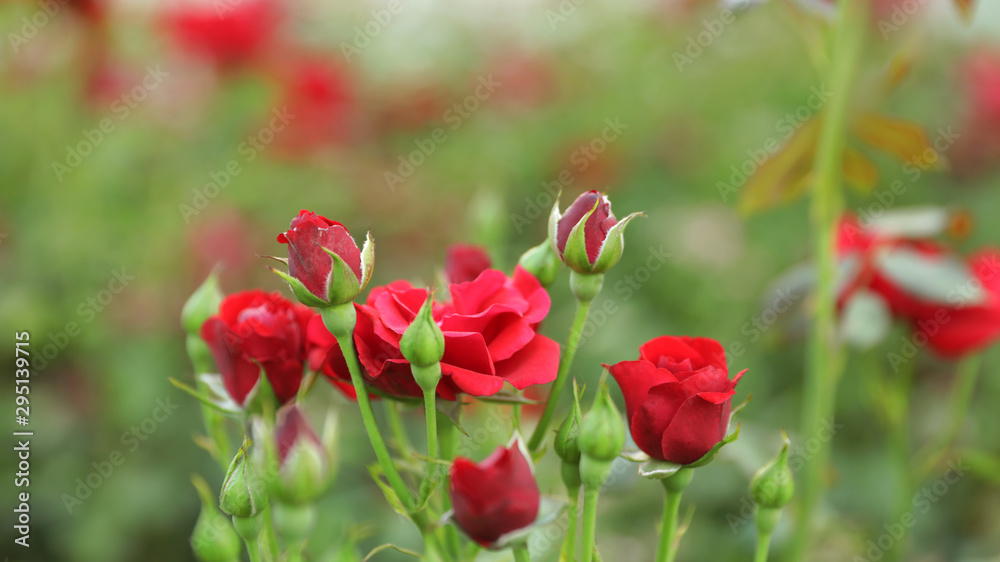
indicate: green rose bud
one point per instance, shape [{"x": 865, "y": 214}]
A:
[
  {"x": 422, "y": 343},
  {"x": 213, "y": 538},
  {"x": 772, "y": 486},
  {"x": 567, "y": 444},
  {"x": 243, "y": 492},
  {"x": 601, "y": 439},
  {"x": 202, "y": 303},
  {"x": 306, "y": 470},
  {"x": 542, "y": 262}
]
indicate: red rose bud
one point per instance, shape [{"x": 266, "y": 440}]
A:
[
  {"x": 325, "y": 266},
  {"x": 305, "y": 467},
  {"x": 213, "y": 538},
  {"x": 542, "y": 262},
  {"x": 495, "y": 497},
  {"x": 678, "y": 397},
  {"x": 588, "y": 238},
  {"x": 255, "y": 329},
  {"x": 464, "y": 262}
]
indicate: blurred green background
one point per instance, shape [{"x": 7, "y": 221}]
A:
[{"x": 140, "y": 203}]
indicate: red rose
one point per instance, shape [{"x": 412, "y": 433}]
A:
[
  {"x": 255, "y": 329},
  {"x": 677, "y": 397},
  {"x": 318, "y": 97},
  {"x": 489, "y": 332},
  {"x": 858, "y": 243},
  {"x": 956, "y": 331},
  {"x": 464, "y": 262},
  {"x": 495, "y": 497},
  {"x": 311, "y": 240},
  {"x": 588, "y": 238},
  {"x": 241, "y": 33}
]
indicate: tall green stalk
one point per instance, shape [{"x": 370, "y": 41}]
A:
[
  {"x": 572, "y": 342},
  {"x": 824, "y": 361}
]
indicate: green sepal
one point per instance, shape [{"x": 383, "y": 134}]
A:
[
  {"x": 343, "y": 285},
  {"x": 614, "y": 245},
  {"x": 304, "y": 295},
  {"x": 575, "y": 253}
]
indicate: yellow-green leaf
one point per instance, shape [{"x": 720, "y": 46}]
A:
[
  {"x": 783, "y": 176},
  {"x": 905, "y": 140},
  {"x": 859, "y": 171}
]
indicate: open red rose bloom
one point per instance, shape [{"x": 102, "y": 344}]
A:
[
  {"x": 489, "y": 329},
  {"x": 678, "y": 397}
]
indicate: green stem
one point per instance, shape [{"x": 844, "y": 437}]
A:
[
  {"x": 253, "y": 551},
  {"x": 763, "y": 545},
  {"x": 965, "y": 384},
  {"x": 430, "y": 416},
  {"x": 674, "y": 488},
  {"x": 446, "y": 438},
  {"x": 368, "y": 418},
  {"x": 899, "y": 448},
  {"x": 589, "y": 522},
  {"x": 268, "y": 536},
  {"x": 823, "y": 357},
  {"x": 575, "y": 331},
  {"x": 521, "y": 554},
  {"x": 569, "y": 543}
]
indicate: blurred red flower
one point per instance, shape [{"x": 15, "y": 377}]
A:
[{"x": 225, "y": 34}]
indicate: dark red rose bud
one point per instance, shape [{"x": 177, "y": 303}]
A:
[
  {"x": 464, "y": 262},
  {"x": 495, "y": 497},
  {"x": 305, "y": 463},
  {"x": 678, "y": 397},
  {"x": 255, "y": 329},
  {"x": 588, "y": 237},
  {"x": 325, "y": 266}
]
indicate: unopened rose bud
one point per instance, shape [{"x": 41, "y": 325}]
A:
[
  {"x": 325, "y": 266},
  {"x": 542, "y": 262},
  {"x": 422, "y": 343},
  {"x": 567, "y": 444},
  {"x": 243, "y": 493},
  {"x": 588, "y": 238},
  {"x": 213, "y": 538},
  {"x": 201, "y": 305},
  {"x": 602, "y": 437},
  {"x": 772, "y": 486},
  {"x": 305, "y": 468}
]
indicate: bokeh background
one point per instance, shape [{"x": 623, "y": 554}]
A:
[{"x": 148, "y": 141}]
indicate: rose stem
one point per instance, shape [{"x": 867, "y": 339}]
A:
[
  {"x": 589, "y": 521},
  {"x": 575, "y": 331},
  {"x": 521, "y": 554},
  {"x": 763, "y": 545},
  {"x": 823, "y": 357},
  {"x": 340, "y": 321},
  {"x": 674, "y": 486},
  {"x": 569, "y": 543}
]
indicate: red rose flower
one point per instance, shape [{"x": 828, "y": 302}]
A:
[
  {"x": 464, "y": 262},
  {"x": 495, "y": 497},
  {"x": 226, "y": 35},
  {"x": 954, "y": 331},
  {"x": 255, "y": 329},
  {"x": 678, "y": 397},
  {"x": 595, "y": 230},
  {"x": 489, "y": 331},
  {"x": 311, "y": 240},
  {"x": 318, "y": 97}
]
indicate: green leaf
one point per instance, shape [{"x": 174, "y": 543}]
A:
[
  {"x": 390, "y": 494},
  {"x": 387, "y": 546},
  {"x": 221, "y": 407}
]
